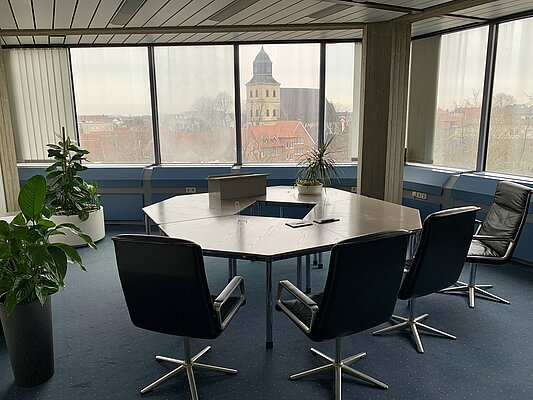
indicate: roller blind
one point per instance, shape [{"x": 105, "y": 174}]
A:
[
  {"x": 3, "y": 207},
  {"x": 40, "y": 94}
]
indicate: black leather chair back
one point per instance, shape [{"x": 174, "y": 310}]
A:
[
  {"x": 165, "y": 286},
  {"x": 506, "y": 217},
  {"x": 441, "y": 253},
  {"x": 362, "y": 284}
]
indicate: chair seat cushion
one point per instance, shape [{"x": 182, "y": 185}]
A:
[
  {"x": 300, "y": 310},
  {"x": 479, "y": 251}
]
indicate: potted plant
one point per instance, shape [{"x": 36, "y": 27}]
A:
[
  {"x": 75, "y": 200},
  {"x": 317, "y": 168},
  {"x": 31, "y": 270}
]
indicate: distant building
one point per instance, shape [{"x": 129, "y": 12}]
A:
[
  {"x": 284, "y": 141},
  {"x": 262, "y": 93},
  {"x": 276, "y": 123}
]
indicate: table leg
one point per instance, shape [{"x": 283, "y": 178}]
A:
[
  {"x": 269, "y": 340},
  {"x": 308, "y": 273},
  {"x": 299, "y": 272},
  {"x": 232, "y": 268},
  {"x": 315, "y": 259},
  {"x": 320, "y": 263},
  {"x": 147, "y": 225}
]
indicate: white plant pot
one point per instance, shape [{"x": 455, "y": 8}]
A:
[
  {"x": 312, "y": 189},
  {"x": 93, "y": 226}
]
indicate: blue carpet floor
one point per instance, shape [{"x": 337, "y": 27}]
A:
[{"x": 101, "y": 355}]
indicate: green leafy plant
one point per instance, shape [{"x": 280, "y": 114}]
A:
[
  {"x": 31, "y": 268},
  {"x": 317, "y": 166},
  {"x": 68, "y": 193}
]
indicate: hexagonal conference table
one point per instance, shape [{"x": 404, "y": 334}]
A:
[{"x": 245, "y": 228}]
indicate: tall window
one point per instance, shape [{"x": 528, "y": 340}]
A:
[
  {"x": 196, "y": 104},
  {"x": 40, "y": 94},
  {"x": 342, "y": 92},
  {"x": 112, "y": 94},
  {"x": 292, "y": 70},
  {"x": 510, "y": 147},
  {"x": 460, "y": 89}
]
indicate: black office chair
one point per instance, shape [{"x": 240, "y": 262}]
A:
[
  {"x": 438, "y": 262},
  {"x": 166, "y": 291},
  {"x": 360, "y": 292},
  {"x": 496, "y": 237}
]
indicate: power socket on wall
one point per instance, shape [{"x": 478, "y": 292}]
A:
[
  {"x": 419, "y": 195},
  {"x": 191, "y": 189}
]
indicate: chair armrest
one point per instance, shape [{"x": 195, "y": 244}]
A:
[
  {"x": 492, "y": 238},
  {"x": 222, "y": 298},
  {"x": 300, "y": 296}
]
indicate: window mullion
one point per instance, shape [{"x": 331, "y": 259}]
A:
[
  {"x": 322, "y": 95},
  {"x": 486, "y": 103},
  {"x": 153, "y": 103},
  {"x": 236, "y": 83}
]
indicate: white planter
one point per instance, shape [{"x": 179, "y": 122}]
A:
[
  {"x": 313, "y": 189},
  {"x": 93, "y": 226}
]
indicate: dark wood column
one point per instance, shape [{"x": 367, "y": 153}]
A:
[
  {"x": 385, "y": 70},
  {"x": 8, "y": 157}
]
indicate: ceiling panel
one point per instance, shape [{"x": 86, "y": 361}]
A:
[
  {"x": 281, "y": 35},
  {"x": 84, "y": 13},
  {"x": 196, "y": 37},
  {"x": 245, "y": 36},
  {"x": 105, "y": 12},
  {"x": 118, "y": 39},
  {"x": 247, "y": 12},
  {"x": 287, "y": 12},
  {"x": 63, "y": 13},
  {"x": 419, "y": 4},
  {"x": 88, "y": 39},
  {"x": 26, "y": 40},
  {"x": 134, "y": 39},
  {"x": 103, "y": 39},
  {"x": 41, "y": 39},
  {"x": 499, "y": 9},
  {"x": 23, "y": 14},
  {"x": 6, "y": 17},
  {"x": 44, "y": 14},
  {"x": 147, "y": 11},
  {"x": 188, "y": 12},
  {"x": 201, "y": 17},
  {"x": 11, "y": 40},
  {"x": 72, "y": 39},
  {"x": 436, "y": 25},
  {"x": 259, "y": 16},
  {"x": 304, "y": 12},
  {"x": 166, "y": 12},
  {"x": 151, "y": 38},
  {"x": 165, "y": 38}
]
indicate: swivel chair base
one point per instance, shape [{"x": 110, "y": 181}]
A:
[
  {"x": 473, "y": 289},
  {"x": 188, "y": 366},
  {"x": 414, "y": 324},
  {"x": 339, "y": 366}
]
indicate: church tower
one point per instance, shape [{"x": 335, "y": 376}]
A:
[{"x": 262, "y": 93}]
